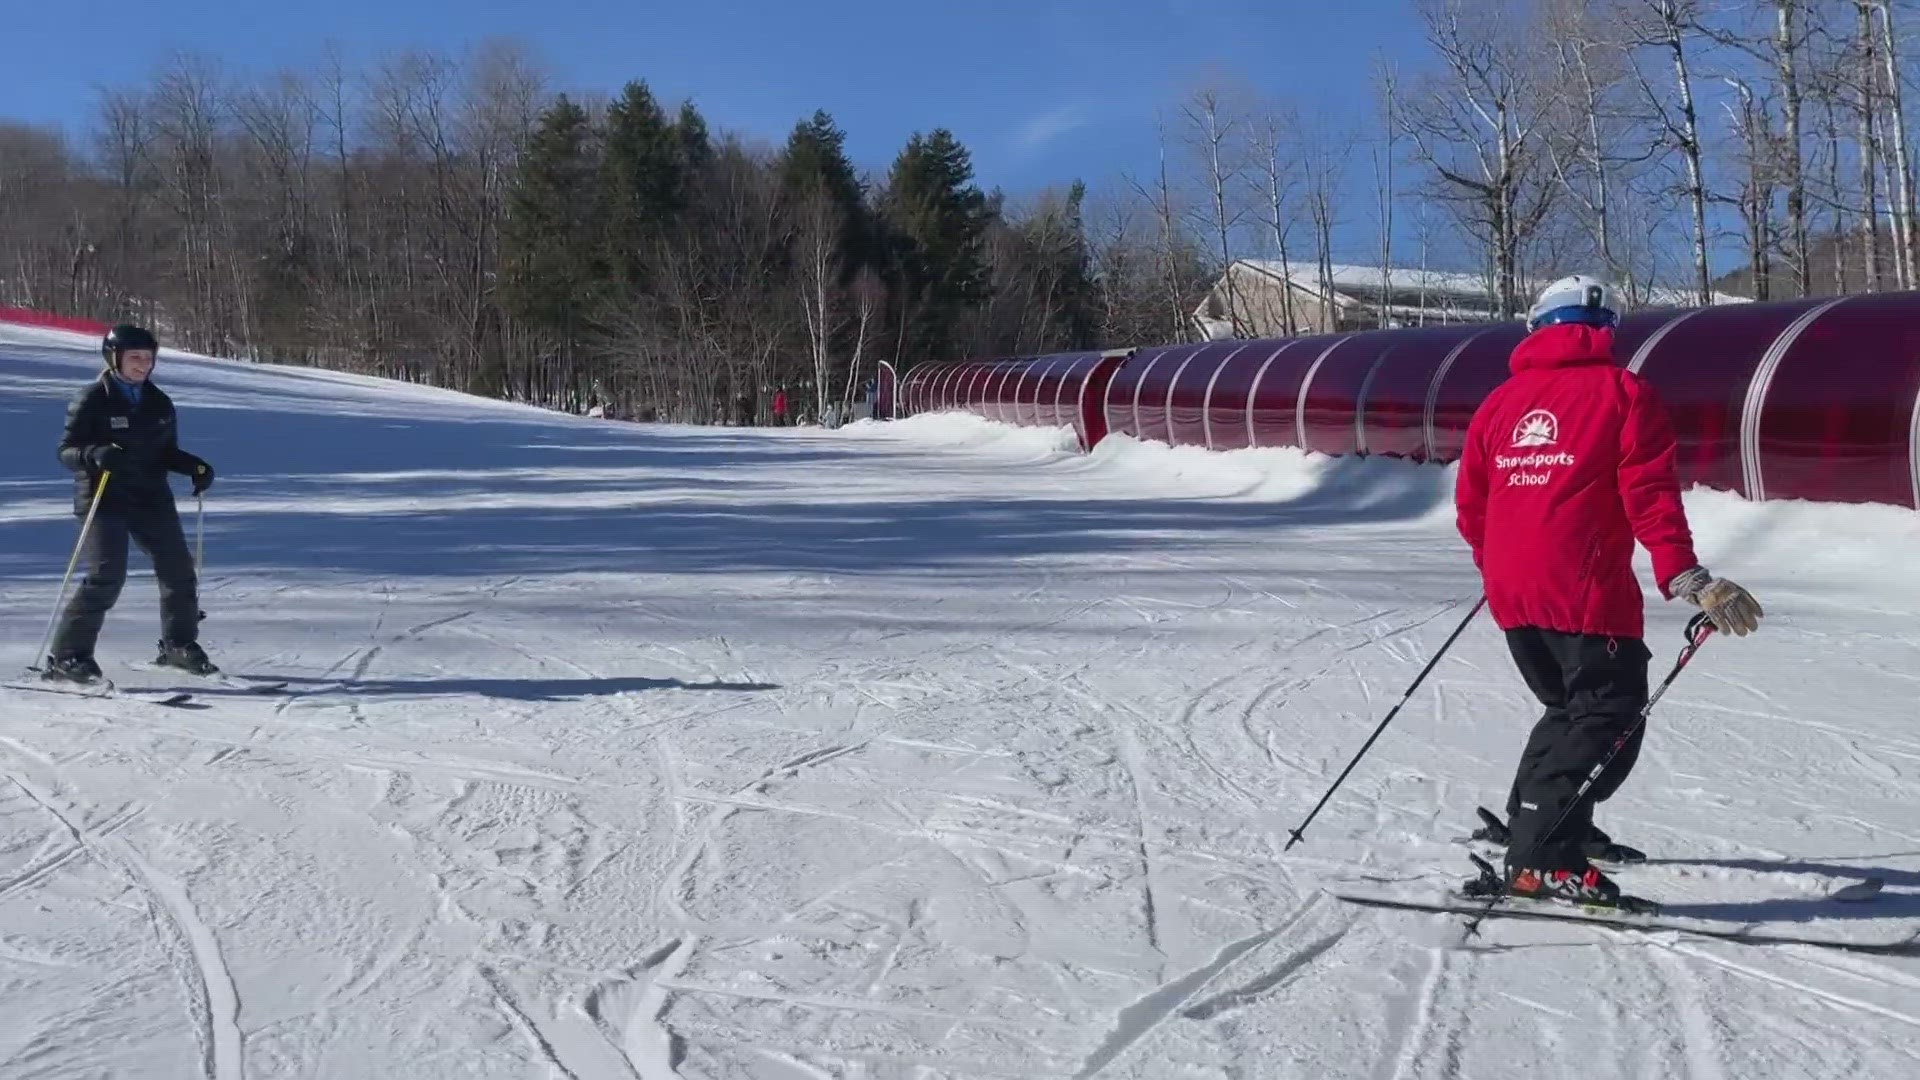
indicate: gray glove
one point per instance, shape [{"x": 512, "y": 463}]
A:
[{"x": 1730, "y": 608}]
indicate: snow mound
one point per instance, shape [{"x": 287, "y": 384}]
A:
[
  {"x": 966, "y": 431},
  {"x": 1804, "y": 548},
  {"x": 1833, "y": 552}
]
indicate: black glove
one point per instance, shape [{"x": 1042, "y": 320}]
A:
[
  {"x": 110, "y": 457},
  {"x": 202, "y": 477}
]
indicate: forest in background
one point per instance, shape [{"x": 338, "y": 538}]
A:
[{"x": 448, "y": 219}]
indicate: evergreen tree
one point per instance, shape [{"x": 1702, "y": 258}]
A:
[
  {"x": 643, "y": 178},
  {"x": 696, "y": 149},
  {"x": 815, "y": 158},
  {"x": 553, "y": 271},
  {"x": 938, "y": 220}
]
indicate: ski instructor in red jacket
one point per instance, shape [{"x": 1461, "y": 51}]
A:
[{"x": 1566, "y": 465}]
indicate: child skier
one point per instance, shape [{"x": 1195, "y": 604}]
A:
[{"x": 123, "y": 426}]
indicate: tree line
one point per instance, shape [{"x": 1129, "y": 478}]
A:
[
  {"x": 449, "y": 220},
  {"x": 1759, "y": 147},
  {"x": 1686, "y": 149},
  {"x": 443, "y": 220}
]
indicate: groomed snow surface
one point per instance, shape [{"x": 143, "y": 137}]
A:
[{"x": 920, "y": 750}]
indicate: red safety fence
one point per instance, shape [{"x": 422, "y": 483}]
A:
[
  {"x": 1813, "y": 399},
  {"x": 23, "y": 317}
]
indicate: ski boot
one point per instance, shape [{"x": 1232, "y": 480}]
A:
[
  {"x": 188, "y": 657},
  {"x": 1598, "y": 846},
  {"x": 1586, "y": 888},
  {"x": 73, "y": 669}
]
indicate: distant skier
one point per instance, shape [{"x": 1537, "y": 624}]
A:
[
  {"x": 123, "y": 427},
  {"x": 1566, "y": 464}
]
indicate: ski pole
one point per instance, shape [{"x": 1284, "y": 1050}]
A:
[
  {"x": 1389, "y": 719},
  {"x": 200, "y": 545},
  {"x": 78, "y": 545},
  {"x": 1698, "y": 628}
]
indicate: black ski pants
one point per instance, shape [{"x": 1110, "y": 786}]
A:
[
  {"x": 157, "y": 530},
  {"x": 1593, "y": 687}
]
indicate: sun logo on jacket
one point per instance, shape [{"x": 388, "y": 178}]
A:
[{"x": 1537, "y": 428}]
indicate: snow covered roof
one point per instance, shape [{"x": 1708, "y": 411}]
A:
[
  {"x": 1659, "y": 297},
  {"x": 1307, "y": 276},
  {"x": 1439, "y": 285}
]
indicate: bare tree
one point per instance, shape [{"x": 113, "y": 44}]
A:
[
  {"x": 1597, "y": 142},
  {"x": 1161, "y": 199},
  {"x": 1777, "y": 37},
  {"x": 1480, "y": 124},
  {"x": 1789, "y": 42},
  {"x": 1383, "y": 170},
  {"x": 1326, "y": 168},
  {"x": 729, "y": 299},
  {"x": 1906, "y": 242},
  {"x": 1424, "y": 230},
  {"x": 48, "y": 251},
  {"x": 1276, "y": 165},
  {"x": 281, "y": 120},
  {"x": 1895, "y": 217},
  {"x": 1218, "y": 141},
  {"x": 1754, "y": 200},
  {"x": 869, "y": 300},
  {"x": 1869, "y": 146},
  {"x": 187, "y": 115},
  {"x": 1124, "y": 272},
  {"x": 499, "y": 100},
  {"x": 1828, "y": 89},
  {"x": 1665, "y": 27},
  {"x": 818, "y": 226},
  {"x": 121, "y": 146},
  {"x": 1039, "y": 267},
  {"x": 355, "y": 318}
]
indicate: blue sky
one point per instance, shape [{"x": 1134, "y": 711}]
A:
[{"x": 1040, "y": 92}]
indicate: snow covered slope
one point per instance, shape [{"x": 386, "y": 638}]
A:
[{"x": 922, "y": 750}]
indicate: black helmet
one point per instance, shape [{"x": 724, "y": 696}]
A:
[{"x": 123, "y": 337}]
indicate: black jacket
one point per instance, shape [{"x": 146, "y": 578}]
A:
[{"x": 101, "y": 416}]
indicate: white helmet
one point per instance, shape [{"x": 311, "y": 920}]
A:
[{"x": 1576, "y": 299}]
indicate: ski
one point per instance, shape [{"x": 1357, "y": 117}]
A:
[
  {"x": 244, "y": 683},
  {"x": 1905, "y": 942},
  {"x": 1472, "y": 899},
  {"x": 104, "y": 690}
]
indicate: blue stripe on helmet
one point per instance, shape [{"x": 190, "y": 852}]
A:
[{"x": 1575, "y": 313}]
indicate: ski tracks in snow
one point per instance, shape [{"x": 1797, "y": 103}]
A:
[
  {"x": 1410, "y": 1020},
  {"x": 1699, "y": 1028},
  {"x": 645, "y": 1040},
  {"x": 189, "y": 944},
  {"x": 1187, "y": 997}
]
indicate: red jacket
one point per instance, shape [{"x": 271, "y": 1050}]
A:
[{"x": 1566, "y": 464}]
